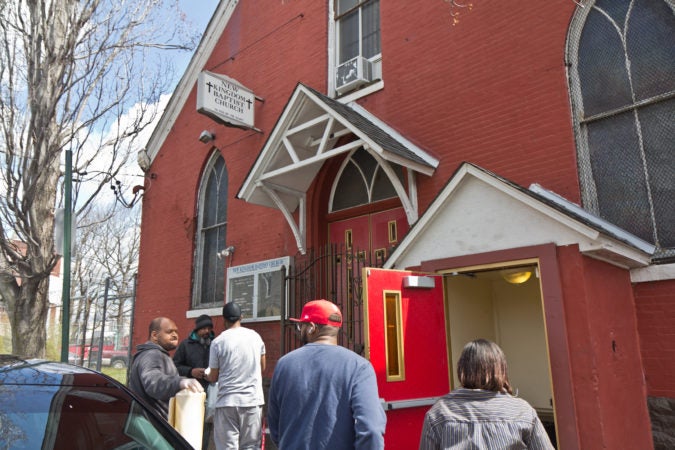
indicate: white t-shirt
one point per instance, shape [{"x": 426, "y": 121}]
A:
[{"x": 236, "y": 354}]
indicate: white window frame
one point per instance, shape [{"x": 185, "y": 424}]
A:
[
  {"x": 333, "y": 55},
  {"x": 195, "y": 302}
]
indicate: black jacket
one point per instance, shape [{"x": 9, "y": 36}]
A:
[{"x": 191, "y": 353}]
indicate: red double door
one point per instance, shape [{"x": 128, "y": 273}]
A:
[{"x": 375, "y": 233}]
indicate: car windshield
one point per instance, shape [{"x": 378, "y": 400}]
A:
[{"x": 73, "y": 417}]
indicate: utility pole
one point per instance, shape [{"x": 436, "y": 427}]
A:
[
  {"x": 67, "y": 225},
  {"x": 99, "y": 356}
]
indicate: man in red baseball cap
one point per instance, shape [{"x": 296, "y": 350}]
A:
[
  {"x": 324, "y": 396},
  {"x": 321, "y": 312}
]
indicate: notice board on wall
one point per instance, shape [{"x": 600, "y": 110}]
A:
[{"x": 258, "y": 287}]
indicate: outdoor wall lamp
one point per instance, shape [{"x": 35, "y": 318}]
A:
[{"x": 224, "y": 253}]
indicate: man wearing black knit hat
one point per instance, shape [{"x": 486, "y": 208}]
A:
[{"x": 192, "y": 358}]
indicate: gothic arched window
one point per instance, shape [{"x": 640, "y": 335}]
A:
[
  {"x": 360, "y": 181},
  {"x": 209, "y": 270},
  {"x": 621, "y": 56}
]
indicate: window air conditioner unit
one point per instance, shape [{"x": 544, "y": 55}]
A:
[{"x": 352, "y": 74}]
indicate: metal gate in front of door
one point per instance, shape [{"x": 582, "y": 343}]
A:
[{"x": 331, "y": 272}]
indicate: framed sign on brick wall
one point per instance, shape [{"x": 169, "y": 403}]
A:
[{"x": 257, "y": 288}]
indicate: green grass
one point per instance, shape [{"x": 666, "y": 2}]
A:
[{"x": 118, "y": 374}]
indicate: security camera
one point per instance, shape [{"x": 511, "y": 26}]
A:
[
  {"x": 206, "y": 136},
  {"x": 227, "y": 251}
]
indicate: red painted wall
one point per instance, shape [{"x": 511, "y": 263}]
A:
[
  {"x": 250, "y": 54},
  {"x": 490, "y": 90},
  {"x": 655, "y": 304},
  {"x": 609, "y": 388},
  {"x": 457, "y": 91}
]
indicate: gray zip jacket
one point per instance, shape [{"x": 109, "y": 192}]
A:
[{"x": 153, "y": 376}]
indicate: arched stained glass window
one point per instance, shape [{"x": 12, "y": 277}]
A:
[
  {"x": 622, "y": 80},
  {"x": 360, "y": 181},
  {"x": 209, "y": 270}
]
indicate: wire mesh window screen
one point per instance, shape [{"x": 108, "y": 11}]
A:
[{"x": 622, "y": 80}]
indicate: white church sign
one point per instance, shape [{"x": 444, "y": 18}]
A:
[{"x": 225, "y": 100}]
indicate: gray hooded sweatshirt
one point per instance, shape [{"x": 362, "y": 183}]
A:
[{"x": 153, "y": 376}]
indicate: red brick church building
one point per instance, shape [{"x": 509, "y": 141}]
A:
[{"x": 442, "y": 172}]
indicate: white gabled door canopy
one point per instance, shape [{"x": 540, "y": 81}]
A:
[
  {"x": 304, "y": 138},
  {"x": 478, "y": 211}
]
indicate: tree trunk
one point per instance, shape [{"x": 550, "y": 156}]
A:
[
  {"x": 70, "y": 71},
  {"x": 28, "y": 316}
]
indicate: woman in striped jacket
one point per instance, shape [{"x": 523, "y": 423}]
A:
[{"x": 483, "y": 413}]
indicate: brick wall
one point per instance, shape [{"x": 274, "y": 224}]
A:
[
  {"x": 458, "y": 91},
  {"x": 484, "y": 91},
  {"x": 655, "y": 305},
  {"x": 609, "y": 390}
]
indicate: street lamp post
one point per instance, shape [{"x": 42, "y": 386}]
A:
[{"x": 67, "y": 225}]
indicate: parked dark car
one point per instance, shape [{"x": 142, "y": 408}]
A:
[{"x": 51, "y": 405}]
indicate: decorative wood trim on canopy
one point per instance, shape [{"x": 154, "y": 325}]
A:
[{"x": 305, "y": 137}]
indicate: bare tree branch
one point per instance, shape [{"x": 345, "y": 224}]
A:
[
  {"x": 108, "y": 249},
  {"x": 77, "y": 75}
]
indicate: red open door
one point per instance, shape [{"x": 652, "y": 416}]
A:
[{"x": 406, "y": 343}]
